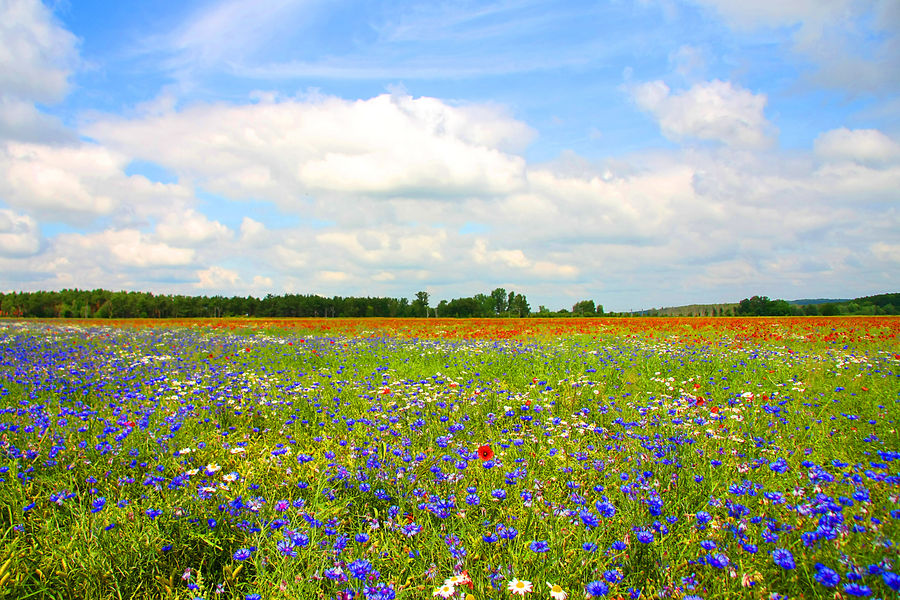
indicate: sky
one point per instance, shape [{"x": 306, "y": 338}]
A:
[{"x": 640, "y": 153}]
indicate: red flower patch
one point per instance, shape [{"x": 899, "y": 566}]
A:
[{"x": 485, "y": 452}]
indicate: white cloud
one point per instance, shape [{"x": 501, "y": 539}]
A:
[
  {"x": 865, "y": 146},
  {"x": 217, "y": 278},
  {"x": 387, "y": 145},
  {"x": 79, "y": 183},
  {"x": 856, "y": 44},
  {"x": 36, "y": 56},
  {"x": 126, "y": 248},
  {"x": 190, "y": 228},
  {"x": 19, "y": 234},
  {"x": 59, "y": 181},
  {"x": 715, "y": 110}
]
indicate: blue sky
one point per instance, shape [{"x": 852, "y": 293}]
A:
[{"x": 639, "y": 153}]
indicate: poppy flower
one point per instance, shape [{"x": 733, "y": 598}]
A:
[{"x": 485, "y": 452}]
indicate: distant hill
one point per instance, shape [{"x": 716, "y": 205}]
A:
[
  {"x": 808, "y": 301},
  {"x": 881, "y": 304},
  {"x": 690, "y": 310}
]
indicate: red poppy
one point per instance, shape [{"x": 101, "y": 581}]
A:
[{"x": 485, "y": 452}]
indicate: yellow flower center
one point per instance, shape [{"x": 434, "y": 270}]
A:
[{"x": 556, "y": 589}]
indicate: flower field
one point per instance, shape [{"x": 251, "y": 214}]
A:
[{"x": 379, "y": 459}]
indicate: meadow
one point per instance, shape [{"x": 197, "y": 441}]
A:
[{"x": 378, "y": 459}]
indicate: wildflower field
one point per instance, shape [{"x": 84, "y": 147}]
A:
[{"x": 378, "y": 459}]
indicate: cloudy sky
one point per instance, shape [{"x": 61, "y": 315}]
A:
[{"x": 641, "y": 153}]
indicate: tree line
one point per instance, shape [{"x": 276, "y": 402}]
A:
[
  {"x": 99, "y": 303},
  {"x": 881, "y": 304}
]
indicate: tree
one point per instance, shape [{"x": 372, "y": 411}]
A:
[
  {"x": 584, "y": 307},
  {"x": 499, "y": 300},
  {"x": 519, "y": 305},
  {"x": 420, "y": 305}
]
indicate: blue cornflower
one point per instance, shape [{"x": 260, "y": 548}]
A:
[
  {"x": 892, "y": 580},
  {"x": 98, "y": 504},
  {"x": 857, "y": 589},
  {"x": 589, "y": 519},
  {"x": 286, "y": 548},
  {"x": 473, "y": 500},
  {"x": 596, "y": 589},
  {"x": 589, "y": 547},
  {"x": 606, "y": 509},
  {"x": 508, "y": 533},
  {"x": 539, "y": 546},
  {"x": 382, "y": 591},
  {"x": 109, "y": 527},
  {"x": 360, "y": 568},
  {"x": 612, "y": 576},
  {"x": 361, "y": 538},
  {"x": 252, "y": 597},
  {"x": 703, "y": 518},
  {"x": 300, "y": 539},
  {"x": 25, "y": 509},
  {"x": 783, "y": 558},
  {"x": 645, "y": 537},
  {"x": 707, "y": 544},
  {"x": 489, "y": 538},
  {"x": 618, "y": 545},
  {"x": 826, "y": 576},
  {"x": 153, "y": 513},
  {"x": 718, "y": 560},
  {"x": 499, "y": 494},
  {"x": 779, "y": 465},
  {"x": 410, "y": 529},
  {"x": 241, "y": 554}
]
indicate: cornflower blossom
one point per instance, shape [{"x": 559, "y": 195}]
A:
[
  {"x": 783, "y": 558},
  {"x": 718, "y": 560},
  {"x": 286, "y": 548},
  {"x": 519, "y": 586},
  {"x": 539, "y": 546},
  {"x": 826, "y": 576},
  {"x": 241, "y": 554},
  {"x": 596, "y": 589}
]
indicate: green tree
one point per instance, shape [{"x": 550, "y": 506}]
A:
[
  {"x": 499, "y": 300},
  {"x": 584, "y": 307}
]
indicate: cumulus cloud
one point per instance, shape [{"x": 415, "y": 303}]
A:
[
  {"x": 865, "y": 146},
  {"x": 388, "y": 145},
  {"x": 714, "y": 111},
  {"x": 217, "y": 278},
  {"x": 36, "y": 57},
  {"x": 190, "y": 228},
  {"x": 78, "y": 183},
  {"x": 19, "y": 234}
]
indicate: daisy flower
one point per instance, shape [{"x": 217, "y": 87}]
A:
[
  {"x": 445, "y": 591},
  {"x": 556, "y": 592},
  {"x": 519, "y": 586},
  {"x": 461, "y": 579}
]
